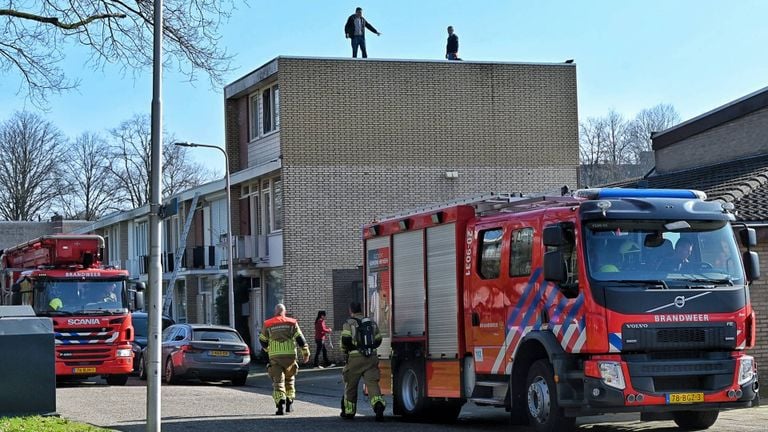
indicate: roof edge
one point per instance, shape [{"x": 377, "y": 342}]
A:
[{"x": 733, "y": 110}]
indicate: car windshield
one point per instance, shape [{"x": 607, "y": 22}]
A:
[
  {"x": 68, "y": 297},
  {"x": 663, "y": 253},
  {"x": 215, "y": 335}
]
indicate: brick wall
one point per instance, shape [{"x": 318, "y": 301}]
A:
[
  {"x": 744, "y": 137},
  {"x": 364, "y": 138}
]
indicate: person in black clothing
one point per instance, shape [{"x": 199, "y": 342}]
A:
[
  {"x": 452, "y": 48},
  {"x": 355, "y": 29}
]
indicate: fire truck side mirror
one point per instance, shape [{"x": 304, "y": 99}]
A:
[
  {"x": 748, "y": 237},
  {"x": 554, "y": 235},
  {"x": 752, "y": 264},
  {"x": 554, "y": 267}
]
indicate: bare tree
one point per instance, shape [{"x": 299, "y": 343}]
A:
[
  {"x": 592, "y": 149},
  {"x": 90, "y": 183},
  {"x": 131, "y": 150},
  {"x": 29, "y": 167},
  {"x": 647, "y": 121},
  {"x": 37, "y": 32}
]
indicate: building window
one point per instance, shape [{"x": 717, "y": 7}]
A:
[
  {"x": 270, "y": 109},
  {"x": 277, "y": 196},
  {"x": 490, "y": 253},
  {"x": 140, "y": 236},
  {"x": 253, "y": 106},
  {"x": 264, "y": 112},
  {"x": 521, "y": 251}
]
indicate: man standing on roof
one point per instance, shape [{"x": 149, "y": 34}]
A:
[
  {"x": 354, "y": 29},
  {"x": 279, "y": 337},
  {"x": 452, "y": 47}
]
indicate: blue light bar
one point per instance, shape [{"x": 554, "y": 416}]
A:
[{"x": 616, "y": 193}]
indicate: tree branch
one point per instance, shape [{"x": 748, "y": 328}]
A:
[{"x": 55, "y": 21}]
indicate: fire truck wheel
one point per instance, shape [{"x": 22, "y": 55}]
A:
[
  {"x": 117, "y": 380},
  {"x": 410, "y": 391},
  {"x": 544, "y": 412},
  {"x": 695, "y": 420},
  {"x": 170, "y": 375}
]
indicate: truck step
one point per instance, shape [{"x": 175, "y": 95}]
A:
[
  {"x": 488, "y": 401},
  {"x": 491, "y": 383}
]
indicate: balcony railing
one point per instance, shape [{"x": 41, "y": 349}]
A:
[{"x": 259, "y": 249}]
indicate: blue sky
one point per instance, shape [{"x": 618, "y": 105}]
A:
[{"x": 695, "y": 55}]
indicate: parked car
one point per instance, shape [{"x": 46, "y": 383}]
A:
[
  {"x": 140, "y": 325},
  {"x": 202, "y": 351}
]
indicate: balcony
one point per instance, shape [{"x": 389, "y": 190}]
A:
[{"x": 262, "y": 250}]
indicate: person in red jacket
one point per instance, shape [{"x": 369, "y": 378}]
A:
[{"x": 321, "y": 331}]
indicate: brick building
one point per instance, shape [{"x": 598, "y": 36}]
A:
[
  {"x": 724, "y": 153},
  {"x": 355, "y": 139}
]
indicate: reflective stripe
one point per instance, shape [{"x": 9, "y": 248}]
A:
[{"x": 376, "y": 399}]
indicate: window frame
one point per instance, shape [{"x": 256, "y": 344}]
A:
[
  {"x": 481, "y": 249},
  {"x": 513, "y": 258}
]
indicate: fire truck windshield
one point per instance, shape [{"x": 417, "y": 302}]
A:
[
  {"x": 68, "y": 297},
  {"x": 663, "y": 252}
]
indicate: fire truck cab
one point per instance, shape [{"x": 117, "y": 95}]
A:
[
  {"x": 610, "y": 300},
  {"x": 61, "y": 277}
]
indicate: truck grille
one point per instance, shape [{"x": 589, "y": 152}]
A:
[
  {"x": 83, "y": 357},
  {"x": 705, "y": 371},
  {"x": 664, "y": 337},
  {"x": 85, "y": 338}
]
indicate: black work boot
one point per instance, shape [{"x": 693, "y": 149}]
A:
[
  {"x": 280, "y": 407},
  {"x": 378, "y": 408},
  {"x": 289, "y": 405}
]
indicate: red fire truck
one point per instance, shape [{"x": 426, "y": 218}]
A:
[
  {"x": 607, "y": 301},
  {"x": 61, "y": 277}
]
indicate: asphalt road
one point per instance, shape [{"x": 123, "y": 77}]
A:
[{"x": 218, "y": 406}]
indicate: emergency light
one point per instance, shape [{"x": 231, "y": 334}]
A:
[{"x": 616, "y": 193}]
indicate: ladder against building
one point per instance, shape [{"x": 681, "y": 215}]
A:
[
  {"x": 490, "y": 203},
  {"x": 168, "y": 300}
]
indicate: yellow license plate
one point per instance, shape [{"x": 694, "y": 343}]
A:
[
  {"x": 84, "y": 370},
  {"x": 685, "y": 398},
  {"x": 220, "y": 353}
]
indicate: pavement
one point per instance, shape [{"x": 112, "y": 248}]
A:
[{"x": 196, "y": 406}]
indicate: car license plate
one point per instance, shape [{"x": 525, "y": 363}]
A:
[
  {"x": 84, "y": 370},
  {"x": 685, "y": 398},
  {"x": 220, "y": 353}
]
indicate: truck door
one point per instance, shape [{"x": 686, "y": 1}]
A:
[{"x": 487, "y": 301}]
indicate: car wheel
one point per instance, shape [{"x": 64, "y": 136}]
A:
[
  {"x": 170, "y": 375},
  {"x": 695, "y": 420},
  {"x": 544, "y": 413},
  {"x": 117, "y": 380},
  {"x": 239, "y": 379}
]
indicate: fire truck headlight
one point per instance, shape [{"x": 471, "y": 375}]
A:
[
  {"x": 124, "y": 352},
  {"x": 746, "y": 369},
  {"x": 612, "y": 374}
]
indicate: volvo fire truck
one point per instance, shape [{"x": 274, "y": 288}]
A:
[
  {"x": 604, "y": 301},
  {"x": 61, "y": 277}
]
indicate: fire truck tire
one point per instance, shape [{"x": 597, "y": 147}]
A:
[
  {"x": 695, "y": 420},
  {"x": 410, "y": 392},
  {"x": 117, "y": 380},
  {"x": 170, "y": 375},
  {"x": 544, "y": 413}
]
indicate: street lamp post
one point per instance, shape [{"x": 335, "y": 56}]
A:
[{"x": 230, "y": 269}]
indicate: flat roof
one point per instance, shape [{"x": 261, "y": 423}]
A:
[
  {"x": 265, "y": 71},
  {"x": 731, "y": 111}
]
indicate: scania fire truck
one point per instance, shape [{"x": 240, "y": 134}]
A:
[
  {"x": 603, "y": 301},
  {"x": 61, "y": 277}
]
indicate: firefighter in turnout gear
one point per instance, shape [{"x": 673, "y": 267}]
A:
[
  {"x": 359, "y": 339},
  {"x": 279, "y": 337}
]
